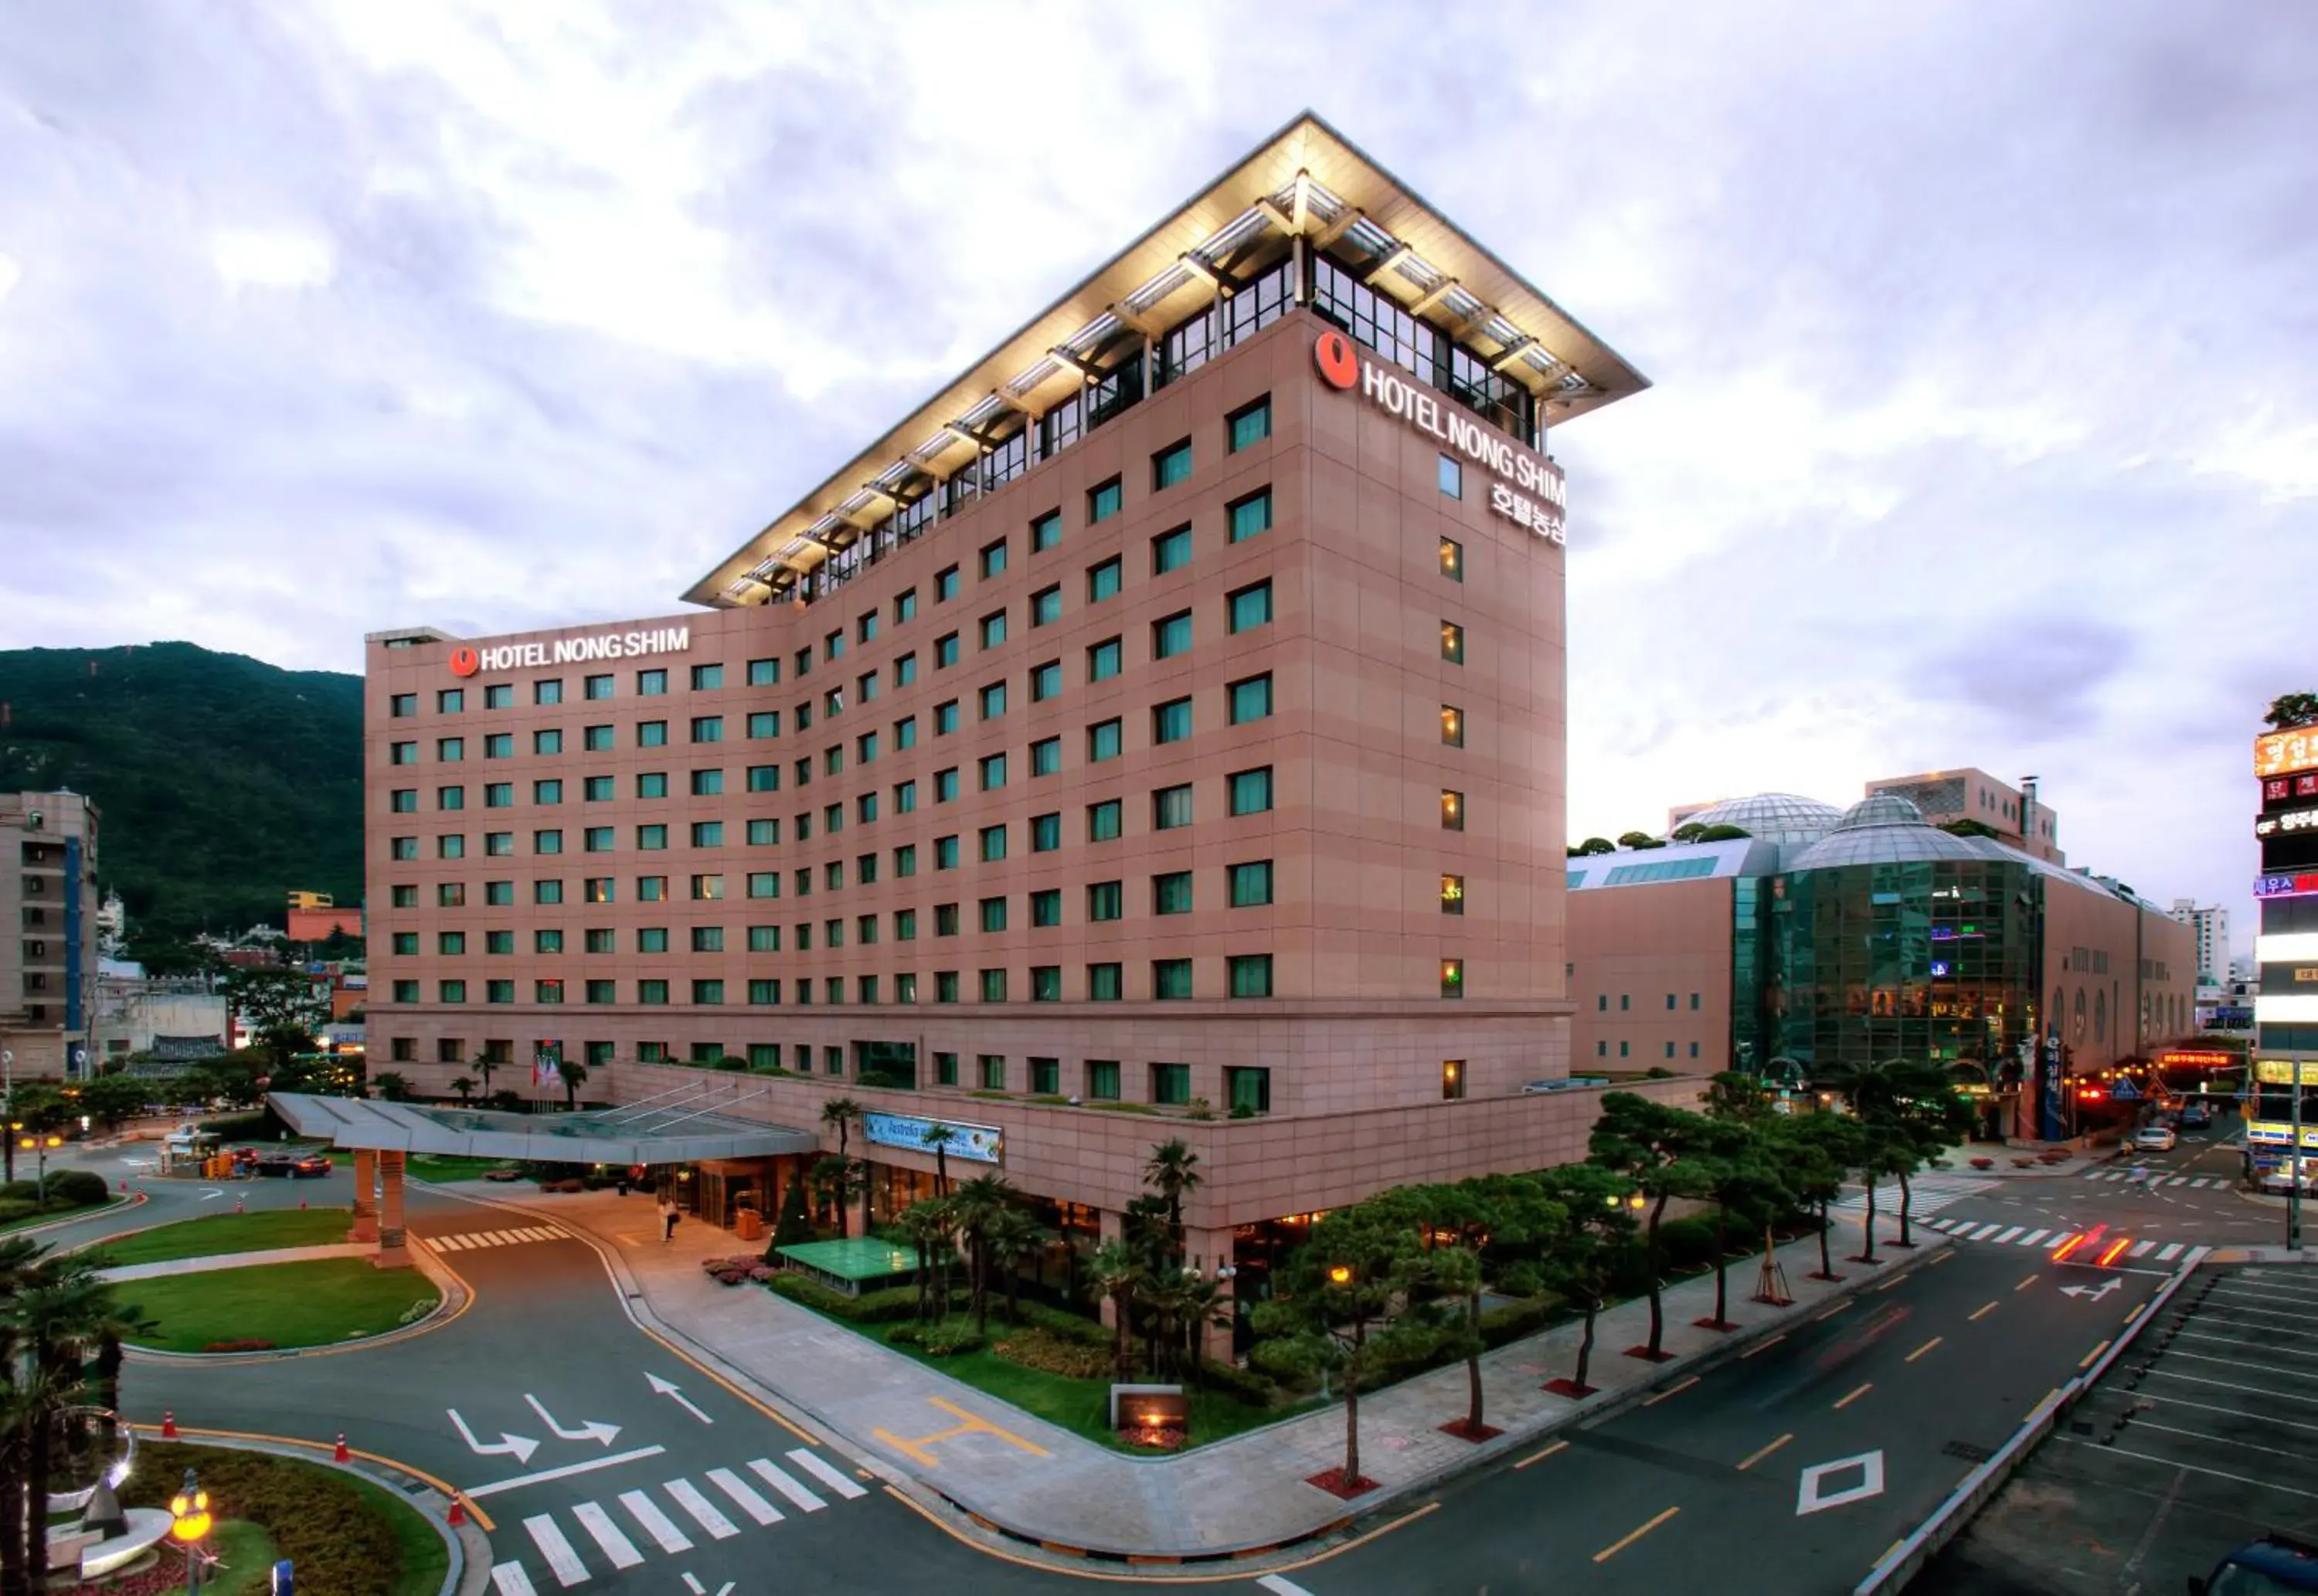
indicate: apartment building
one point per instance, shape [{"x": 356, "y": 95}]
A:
[{"x": 48, "y": 966}]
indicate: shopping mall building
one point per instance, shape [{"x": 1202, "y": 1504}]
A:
[
  {"x": 1157, "y": 734},
  {"x": 1829, "y": 937}
]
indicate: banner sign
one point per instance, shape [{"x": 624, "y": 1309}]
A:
[{"x": 979, "y": 1143}]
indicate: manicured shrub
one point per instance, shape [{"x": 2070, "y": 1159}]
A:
[
  {"x": 318, "y": 1520},
  {"x": 1071, "y": 1326},
  {"x": 948, "y": 1340},
  {"x": 1513, "y": 1321},
  {"x": 871, "y": 1307},
  {"x": 75, "y": 1186},
  {"x": 1687, "y": 1243},
  {"x": 1250, "y": 1386}
]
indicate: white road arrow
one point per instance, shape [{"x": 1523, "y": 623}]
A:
[
  {"x": 2094, "y": 1292},
  {"x": 518, "y": 1447},
  {"x": 213, "y": 1194},
  {"x": 669, "y": 1389},
  {"x": 594, "y": 1430}
]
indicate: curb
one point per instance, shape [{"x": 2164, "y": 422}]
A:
[
  {"x": 469, "y": 1549},
  {"x": 1392, "y": 1502},
  {"x": 456, "y": 1297},
  {"x": 114, "y": 1202}
]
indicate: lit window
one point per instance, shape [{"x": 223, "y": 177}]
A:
[
  {"x": 1452, "y": 726},
  {"x": 1452, "y": 894},
  {"x": 1452, "y": 978},
  {"x": 1453, "y": 643},
  {"x": 1452, "y": 810},
  {"x": 1452, "y": 1079},
  {"x": 1453, "y": 560}
]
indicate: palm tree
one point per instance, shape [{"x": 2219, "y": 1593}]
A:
[
  {"x": 575, "y": 1076},
  {"x": 54, "y": 1306},
  {"x": 1172, "y": 1172},
  {"x": 941, "y": 1138},
  {"x": 928, "y": 1224},
  {"x": 1116, "y": 1272},
  {"x": 392, "y": 1086},
  {"x": 837, "y": 1181},
  {"x": 464, "y": 1085},
  {"x": 844, "y": 1114},
  {"x": 1014, "y": 1239},
  {"x": 484, "y": 1064},
  {"x": 979, "y": 1204}
]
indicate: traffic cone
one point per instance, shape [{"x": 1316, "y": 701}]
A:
[
  {"x": 342, "y": 1455},
  {"x": 124, "y": 1185},
  {"x": 458, "y": 1511},
  {"x": 168, "y": 1424},
  {"x": 301, "y": 1205}
]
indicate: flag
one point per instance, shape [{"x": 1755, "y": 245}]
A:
[{"x": 545, "y": 1070}]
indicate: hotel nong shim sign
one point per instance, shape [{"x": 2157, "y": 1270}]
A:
[
  {"x": 1527, "y": 491},
  {"x": 466, "y": 660}
]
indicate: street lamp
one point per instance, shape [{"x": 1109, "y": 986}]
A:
[
  {"x": 43, "y": 1143},
  {"x": 189, "y": 1525}
]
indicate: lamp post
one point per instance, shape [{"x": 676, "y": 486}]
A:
[
  {"x": 43, "y": 1143},
  {"x": 189, "y": 1525}
]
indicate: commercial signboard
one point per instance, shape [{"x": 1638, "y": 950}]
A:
[
  {"x": 468, "y": 658},
  {"x": 2280, "y": 1072},
  {"x": 2282, "y": 753},
  {"x": 2286, "y": 822},
  {"x": 2182, "y": 1058},
  {"x": 2301, "y": 884},
  {"x": 976, "y": 1143}
]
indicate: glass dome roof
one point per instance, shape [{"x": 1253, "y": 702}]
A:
[
  {"x": 1885, "y": 829},
  {"x": 1773, "y": 817}
]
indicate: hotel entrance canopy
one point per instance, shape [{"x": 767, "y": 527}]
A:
[{"x": 663, "y": 1132}]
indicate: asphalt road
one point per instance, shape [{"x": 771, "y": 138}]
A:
[
  {"x": 1746, "y": 1481},
  {"x": 2203, "y": 1437}
]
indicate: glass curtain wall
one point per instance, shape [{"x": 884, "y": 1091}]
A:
[{"x": 1926, "y": 960}]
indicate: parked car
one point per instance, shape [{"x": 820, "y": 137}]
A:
[
  {"x": 2154, "y": 1138},
  {"x": 276, "y": 1166},
  {"x": 2274, "y": 1563},
  {"x": 2280, "y": 1176},
  {"x": 2196, "y": 1117}
]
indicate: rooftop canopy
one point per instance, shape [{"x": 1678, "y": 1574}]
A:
[
  {"x": 1307, "y": 182},
  {"x": 660, "y": 1133}
]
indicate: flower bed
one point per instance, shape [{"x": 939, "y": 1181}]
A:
[{"x": 735, "y": 1271}]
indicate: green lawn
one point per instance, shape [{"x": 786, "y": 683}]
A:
[
  {"x": 245, "y": 1558},
  {"x": 428, "y": 1166},
  {"x": 213, "y": 1234},
  {"x": 56, "y": 1211},
  {"x": 316, "y": 1303}
]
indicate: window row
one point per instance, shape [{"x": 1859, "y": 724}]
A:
[{"x": 1244, "y": 975}]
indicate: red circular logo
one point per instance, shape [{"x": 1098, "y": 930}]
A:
[
  {"x": 465, "y": 661},
  {"x": 1338, "y": 364}
]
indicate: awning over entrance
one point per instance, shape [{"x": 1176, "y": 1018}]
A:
[{"x": 663, "y": 1132}]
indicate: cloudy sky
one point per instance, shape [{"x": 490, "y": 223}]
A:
[{"x": 1985, "y": 337}]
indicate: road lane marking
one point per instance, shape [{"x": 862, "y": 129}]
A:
[
  {"x": 2024, "y": 1285},
  {"x": 2234, "y": 1445},
  {"x": 510, "y": 1579},
  {"x": 782, "y": 1483},
  {"x": 1811, "y": 1495},
  {"x": 744, "y": 1496},
  {"x": 2279, "y": 1373},
  {"x": 1832, "y": 1312},
  {"x": 2178, "y": 1180},
  {"x": 657, "y": 1524},
  {"x": 2140, "y": 1248},
  {"x": 564, "y": 1473},
  {"x": 1765, "y": 1345},
  {"x": 1919, "y": 1351},
  {"x": 2032, "y": 1238},
  {"x": 1541, "y": 1456},
  {"x": 692, "y": 1584},
  {"x": 607, "y": 1535},
  {"x": 1281, "y": 1587},
  {"x": 703, "y": 1510},
  {"x": 1983, "y": 1311},
  {"x": 2199, "y": 1335},
  {"x": 2087, "y": 1361},
  {"x": 452, "y": 1242},
  {"x": 1855, "y": 1395},
  {"x": 561, "y": 1560},
  {"x": 1657, "y": 1397},
  {"x": 828, "y": 1474},
  {"x": 1762, "y": 1452},
  {"x": 1983, "y": 1233},
  {"x": 2008, "y": 1234},
  {"x": 2171, "y": 1251},
  {"x": 1611, "y": 1550},
  {"x": 2207, "y": 1407}
]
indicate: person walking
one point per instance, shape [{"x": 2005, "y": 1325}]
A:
[{"x": 667, "y": 1218}]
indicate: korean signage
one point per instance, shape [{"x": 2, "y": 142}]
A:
[
  {"x": 980, "y": 1144},
  {"x": 2302, "y": 885},
  {"x": 2185, "y": 1059},
  {"x": 467, "y": 659},
  {"x": 2279, "y": 1071},
  {"x": 2286, "y": 822},
  {"x": 2279, "y": 789},
  {"x": 2279, "y": 1133},
  {"x": 2282, "y": 753},
  {"x": 1527, "y": 491}
]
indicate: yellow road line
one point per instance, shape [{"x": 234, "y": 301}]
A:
[
  {"x": 2048, "y": 1396},
  {"x": 1657, "y": 1397},
  {"x": 805, "y": 1436},
  {"x": 1765, "y": 1345},
  {"x": 1608, "y": 1552},
  {"x": 1982, "y": 1312},
  {"x": 1832, "y": 1312},
  {"x": 1919, "y": 1351},
  {"x": 1855, "y": 1395},
  {"x": 153, "y": 1432},
  {"x": 1541, "y": 1456},
  {"x": 2024, "y": 1285},
  {"x": 1766, "y": 1451},
  {"x": 2095, "y": 1352}
]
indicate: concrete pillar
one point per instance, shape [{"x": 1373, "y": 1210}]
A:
[
  {"x": 392, "y": 1253},
  {"x": 1111, "y": 1226},
  {"x": 365, "y": 1197}
]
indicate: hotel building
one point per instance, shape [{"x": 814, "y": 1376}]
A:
[
  {"x": 47, "y": 965},
  {"x": 1159, "y": 733}
]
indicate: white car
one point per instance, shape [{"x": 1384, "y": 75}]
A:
[{"x": 2154, "y": 1138}]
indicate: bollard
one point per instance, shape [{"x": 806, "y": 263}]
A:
[
  {"x": 458, "y": 1511},
  {"x": 124, "y": 1185},
  {"x": 301, "y": 1205},
  {"x": 168, "y": 1424},
  {"x": 239, "y": 1204},
  {"x": 341, "y": 1454}
]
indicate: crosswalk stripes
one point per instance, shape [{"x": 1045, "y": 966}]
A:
[
  {"x": 1928, "y": 1194},
  {"x": 1998, "y": 1234},
  {"x": 468, "y": 1240},
  {"x": 611, "y": 1543},
  {"x": 2160, "y": 1178}
]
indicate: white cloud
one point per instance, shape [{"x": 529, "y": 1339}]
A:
[
  {"x": 10, "y": 275},
  {"x": 272, "y": 257}
]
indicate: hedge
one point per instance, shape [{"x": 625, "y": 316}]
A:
[
  {"x": 888, "y": 1307},
  {"x": 77, "y": 1186},
  {"x": 318, "y": 1519}
]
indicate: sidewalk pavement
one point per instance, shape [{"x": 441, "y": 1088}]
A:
[
  {"x": 1959, "y": 1163},
  {"x": 237, "y": 1260},
  {"x": 1047, "y": 1485}
]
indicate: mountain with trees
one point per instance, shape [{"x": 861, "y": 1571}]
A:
[{"x": 222, "y": 781}]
